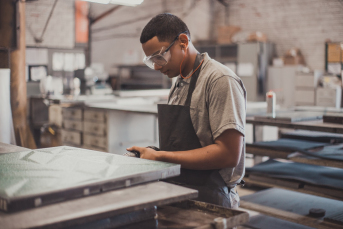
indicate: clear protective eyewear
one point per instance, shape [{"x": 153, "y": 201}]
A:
[{"x": 162, "y": 57}]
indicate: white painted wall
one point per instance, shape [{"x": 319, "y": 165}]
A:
[{"x": 60, "y": 32}]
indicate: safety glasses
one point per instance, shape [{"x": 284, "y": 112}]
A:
[{"x": 162, "y": 57}]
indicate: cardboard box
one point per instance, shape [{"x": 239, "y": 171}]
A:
[
  {"x": 329, "y": 97},
  {"x": 293, "y": 57},
  {"x": 334, "y": 53},
  {"x": 257, "y": 36},
  {"x": 305, "y": 97},
  {"x": 334, "y": 68},
  {"x": 278, "y": 62},
  {"x": 225, "y": 34}
]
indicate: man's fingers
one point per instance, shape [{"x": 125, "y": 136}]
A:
[{"x": 136, "y": 148}]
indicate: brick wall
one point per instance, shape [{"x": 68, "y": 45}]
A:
[
  {"x": 120, "y": 45},
  {"x": 61, "y": 28},
  {"x": 304, "y": 24}
]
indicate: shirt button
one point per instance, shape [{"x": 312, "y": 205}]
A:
[{"x": 181, "y": 84}]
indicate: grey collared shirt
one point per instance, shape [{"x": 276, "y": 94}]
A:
[{"x": 218, "y": 104}]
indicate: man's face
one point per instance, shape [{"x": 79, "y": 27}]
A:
[{"x": 172, "y": 68}]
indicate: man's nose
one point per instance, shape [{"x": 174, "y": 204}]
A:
[{"x": 157, "y": 67}]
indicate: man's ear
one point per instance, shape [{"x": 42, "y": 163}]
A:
[{"x": 184, "y": 42}]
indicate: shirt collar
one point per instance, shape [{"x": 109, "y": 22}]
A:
[{"x": 187, "y": 81}]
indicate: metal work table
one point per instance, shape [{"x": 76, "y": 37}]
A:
[
  {"x": 252, "y": 107},
  {"x": 267, "y": 182},
  {"x": 147, "y": 108},
  {"x": 317, "y": 125},
  {"x": 132, "y": 206},
  {"x": 152, "y": 108},
  {"x": 7, "y": 148},
  {"x": 293, "y": 207},
  {"x": 292, "y": 156}
]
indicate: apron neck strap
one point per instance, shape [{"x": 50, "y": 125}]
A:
[{"x": 194, "y": 79}]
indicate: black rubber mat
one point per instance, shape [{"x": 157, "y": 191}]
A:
[
  {"x": 295, "y": 202},
  {"x": 284, "y": 142},
  {"x": 335, "y": 218},
  {"x": 313, "y": 136},
  {"x": 267, "y": 222},
  {"x": 330, "y": 152},
  {"x": 312, "y": 174}
]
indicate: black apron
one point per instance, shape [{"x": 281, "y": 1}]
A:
[{"x": 176, "y": 133}]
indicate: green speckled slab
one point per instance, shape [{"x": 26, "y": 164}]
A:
[{"x": 34, "y": 178}]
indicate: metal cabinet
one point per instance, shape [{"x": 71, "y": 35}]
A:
[
  {"x": 72, "y": 126},
  {"x": 252, "y": 67},
  {"x": 95, "y": 129},
  {"x": 108, "y": 130},
  {"x": 282, "y": 81}
]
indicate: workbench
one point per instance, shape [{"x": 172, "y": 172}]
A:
[
  {"x": 7, "y": 148},
  {"x": 267, "y": 182},
  {"x": 294, "y": 207},
  {"x": 317, "y": 125},
  {"x": 113, "y": 125},
  {"x": 133, "y": 207},
  {"x": 295, "y": 157}
]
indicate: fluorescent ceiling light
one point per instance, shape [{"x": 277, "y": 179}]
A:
[{"x": 118, "y": 2}]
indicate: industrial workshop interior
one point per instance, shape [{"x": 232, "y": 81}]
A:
[{"x": 210, "y": 114}]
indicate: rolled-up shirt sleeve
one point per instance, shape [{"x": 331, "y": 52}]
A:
[{"x": 226, "y": 105}]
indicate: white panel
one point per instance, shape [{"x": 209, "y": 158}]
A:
[
  {"x": 270, "y": 133},
  {"x": 60, "y": 32},
  {"x": 126, "y": 129},
  {"x": 249, "y": 130},
  {"x": 36, "y": 56},
  {"x": 6, "y": 124},
  {"x": 281, "y": 80}
]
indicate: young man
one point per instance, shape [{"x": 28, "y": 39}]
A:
[{"x": 202, "y": 126}]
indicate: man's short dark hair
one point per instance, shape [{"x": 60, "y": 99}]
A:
[{"x": 165, "y": 26}]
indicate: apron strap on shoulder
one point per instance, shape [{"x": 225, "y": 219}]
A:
[{"x": 193, "y": 79}]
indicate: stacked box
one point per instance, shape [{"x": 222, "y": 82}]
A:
[{"x": 305, "y": 89}]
